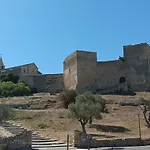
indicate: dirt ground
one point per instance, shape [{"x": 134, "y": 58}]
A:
[{"x": 53, "y": 121}]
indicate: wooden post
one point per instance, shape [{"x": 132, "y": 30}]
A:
[
  {"x": 67, "y": 142},
  {"x": 88, "y": 142},
  {"x": 139, "y": 124}
]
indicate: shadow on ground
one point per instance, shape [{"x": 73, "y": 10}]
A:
[
  {"x": 108, "y": 128},
  {"x": 102, "y": 136}
]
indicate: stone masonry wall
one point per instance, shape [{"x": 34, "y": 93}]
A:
[
  {"x": 108, "y": 74},
  {"x": 45, "y": 82},
  {"x": 82, "y": 142},
  {"x": 70, "y": 72},
  {"x": 86, "y": 70},
  {"x": 82, "y": 71},
  {"x": 21, "y": 141}
]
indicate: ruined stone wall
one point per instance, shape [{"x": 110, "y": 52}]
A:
[{"x": 21, "y": 141}]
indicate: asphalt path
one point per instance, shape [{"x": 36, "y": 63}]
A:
[{"x": 104, "y": 148}]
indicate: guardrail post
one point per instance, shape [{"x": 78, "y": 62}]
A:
[
  {"x": 67, "y": 142},
  {"x": 88, "y": 142}
]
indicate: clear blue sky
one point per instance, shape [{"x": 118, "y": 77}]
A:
[{"x": 46, "y": 31}]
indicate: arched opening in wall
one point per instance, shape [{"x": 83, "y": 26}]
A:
[{"x": 122, "y": 80}]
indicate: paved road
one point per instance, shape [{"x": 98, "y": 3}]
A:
[{"x": 117, "y": 148}]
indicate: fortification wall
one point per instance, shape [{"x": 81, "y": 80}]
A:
[
  {"x": 136, "y": 51},
  {"x": 138, "y": 56},
  {"x": 70, "y": 71},
  {"x": 21, "y": 141},
  {"x": 48, "y": 82},
  {"x": 109, "y": 74},
  {"x": 28, "y": 79},
  {"x": 86, "y": 71},
  {"x": 45, "y": 83}
]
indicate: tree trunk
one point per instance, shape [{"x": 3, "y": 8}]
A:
[
  {"x": 148, "y": 123},
  {"x": 83, "y": 127},
  {"x": 90, "y": 120}
]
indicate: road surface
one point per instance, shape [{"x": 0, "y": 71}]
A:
[{"x": 108, "y": 148}]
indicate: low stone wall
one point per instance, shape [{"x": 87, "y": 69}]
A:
[
  {"x": 21, "y": 141},
  {"x": 81, "y": 141}
]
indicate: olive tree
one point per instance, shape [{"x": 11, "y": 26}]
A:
[
  {"x": 145, "y": 106},
  {"x": 86, "y": 106}
]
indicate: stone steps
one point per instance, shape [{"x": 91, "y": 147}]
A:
[
  {"x": 38, "y": 141},
  {"x": 14, "y": 129},
  {"x": 41, "y": 143}
]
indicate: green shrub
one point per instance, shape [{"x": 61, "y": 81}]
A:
[
  {"x": 9, "y": 89},
  {"x": 9, "y": 77},
  {"x": 6, "y": 113},
  {"x": 67, "y": 97},
  {"x": 42, "y": 126}
]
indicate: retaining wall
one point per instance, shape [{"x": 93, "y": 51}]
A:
[
  {"x": 81, "y": 142},
  {"x": 21, "y": 141}
]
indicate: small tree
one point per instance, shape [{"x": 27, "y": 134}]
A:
[
  {"x": 103, "y": 105},
  {"x": 67, "y": 97},
  {"x": 145, "y": 106},
  {"x": 6, "y": 112},
  {"x": 85, "y": 107}
]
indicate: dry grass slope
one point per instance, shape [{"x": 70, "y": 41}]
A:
[{"x": 53, "y": 121}]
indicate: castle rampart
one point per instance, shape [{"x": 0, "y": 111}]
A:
[
  {"x": 127, "y": 73},
  {"x": 83, "y": 72}
]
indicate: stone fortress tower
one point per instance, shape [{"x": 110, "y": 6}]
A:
[{"x": 131, "y": 72}]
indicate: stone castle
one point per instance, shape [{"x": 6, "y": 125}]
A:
[{"x": 82, "y": 72}]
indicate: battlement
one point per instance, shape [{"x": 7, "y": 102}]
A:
[
  {"x": 81, "y": 54},
  {"x": 86, "y": 56},
  {"x": 136, "y": 45},
  {"x": 108, "y": 62}
]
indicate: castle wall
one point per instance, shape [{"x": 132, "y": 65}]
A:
[
  {"x": 28, "y": 79},
  {"x": 88, "y": 74},
  {"x": 86, "y": 71},
  {"x": 45, "y": 83},
  {"x": 49, "y": 83},
  {"x": 109, "y": 74},
  {"x": 138, "y": 56},
  {"x": 70, "y": 71},
  {"x": 82, "y": 72}
]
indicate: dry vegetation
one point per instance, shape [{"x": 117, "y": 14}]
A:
[{"x": 53, "y": 121}]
